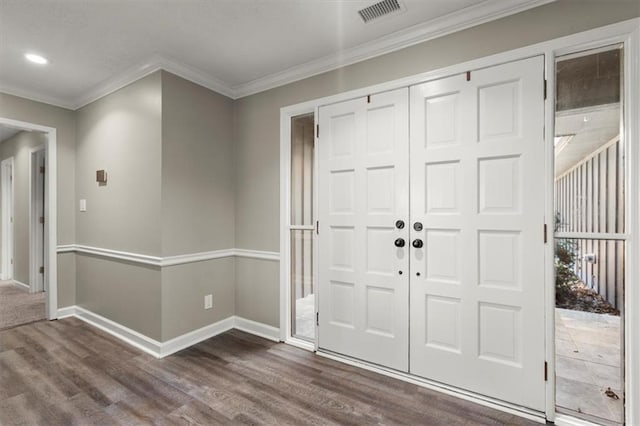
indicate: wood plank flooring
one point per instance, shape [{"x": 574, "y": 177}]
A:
[{"x": 67, "y": 372}]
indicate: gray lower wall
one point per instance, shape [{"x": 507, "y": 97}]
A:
[
  {"x": 183, "y": 290},
  {"x": 126, "y": 293},
  {"x": 19, "y": 147},
  {"x": 258, "y": 290},
  {"x": 257, "y": 117},
  {"x": 64, "y": 121}
]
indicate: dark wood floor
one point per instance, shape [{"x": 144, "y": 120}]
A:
[{"x": 67, "y": 372}]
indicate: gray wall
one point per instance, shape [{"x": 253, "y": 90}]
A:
[
  {"x": 257, "y": 117},
  {"x": 63, "y": 121},
  {"x": 122, "y": 134},
  {"x": 19, "y": 147},
  {"x": 197, "y": 169},
  {"x": 197, "y": 204}
]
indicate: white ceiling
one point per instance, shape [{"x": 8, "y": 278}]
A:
[
  {"x": 592, "y": 127},
  {"x": 235, "y": 47}
]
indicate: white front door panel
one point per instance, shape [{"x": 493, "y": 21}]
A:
[
  {"x": 477, "y": 285},
  {"x": 364, "y": 188},
  {"x": 466, "y": 308}
]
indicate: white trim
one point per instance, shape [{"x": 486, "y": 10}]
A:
[
  {"x": 164, "y": 349},
  {"x": 152, "y": 64},
  {"x": 114, "y": 254},
  {"x": 132, "y": 337},
  {"x": 439, "y": 387},
  {"x": 196, "y": 257},
  {"x": 50, "y": 211},
  {"x": 21, "y": 284},
  {"x": 632, "y": 293},
  {"x": 66, "y": 312},
  {"x": 163, "y": 262},
  {"x": 257, "y": 254},
  {"x": 256, "y": 328},
  {"x": 189, "y": 339},
  {"x": 429, "y": 30},
  {"x": 8, "y": 207}
]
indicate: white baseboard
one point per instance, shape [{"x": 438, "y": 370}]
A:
[
  {"x": 163, "y": 349},
  {"x": 21, "y": 284},
  {"x": 132, "y": 337},
  {"x": 257, "y": 328},
  {"x": 66, "y": 312},
  {"x": 189, "y": 339}
]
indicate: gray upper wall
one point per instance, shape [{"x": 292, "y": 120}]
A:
[
  {"x": 121, "y": 133},
  {"x": 198, "y": 191},
  {"x": 257, "y": 117}
]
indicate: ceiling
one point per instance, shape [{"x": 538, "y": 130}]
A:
[
  {"x": 593, "y": 127},
  {"x": 236, "y": 47}
]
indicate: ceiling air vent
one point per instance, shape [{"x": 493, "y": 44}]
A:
[{"x": 379, "y": 9}]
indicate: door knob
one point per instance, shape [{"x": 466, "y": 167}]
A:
[
  {"x": 399, "y": 242},
  {"x": 399, "y": 224},
  {"x": 417, "y": 243},
  {"x": 417, "y": 226}
]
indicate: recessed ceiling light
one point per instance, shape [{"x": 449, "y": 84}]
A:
[{"x": 36, "y": 59}]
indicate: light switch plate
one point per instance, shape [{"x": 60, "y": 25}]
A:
[
  {"x": 208, "y": 301},
  {"x": 83, "y": 205}
]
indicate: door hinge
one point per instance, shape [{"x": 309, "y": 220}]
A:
[
  {"x": 317, "y": 227},
  {"x": 468, "y": 75},
  {"x": 545, "y": 233},
  {"x": 317, "y": 130},
  {"x": 41, "y": 219},
  {"x": 12, "y": 261},
  {"x": 318, "y": 318},
  {"x": 42, "y": 169},
  {"x": 368, "y": 99},
  {"x": 545, "y": 89},
  {"x": 546, "y": 371},
  {"x": 42, "y": 269}
]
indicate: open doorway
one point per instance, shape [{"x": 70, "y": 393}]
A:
[
  {"x": 28, "y": 217},
  {"x": 590, "y": 235},
  {"x": 22, "y": 289}
]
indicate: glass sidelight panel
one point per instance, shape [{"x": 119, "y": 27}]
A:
[
  {"x": 302, "y": 227},
  {"x": 590, "y": 240},
  {"x": 302, "y": 170},
  {"x": 302, "y": 285}
]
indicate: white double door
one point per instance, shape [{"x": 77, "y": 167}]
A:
[{"x": 431, "y": 216}]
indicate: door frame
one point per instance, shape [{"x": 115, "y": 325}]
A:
[
  {"x": 626, "y": 33},
  {"x": 8, "y": 199},
  {"x": 35, "y": 205},
  {"x": 50, "y": 211}
]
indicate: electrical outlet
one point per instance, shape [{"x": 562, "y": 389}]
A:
[{"x": 208, "y": 301}]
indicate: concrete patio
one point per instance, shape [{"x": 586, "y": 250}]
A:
[{"x": 588, "y": 361}]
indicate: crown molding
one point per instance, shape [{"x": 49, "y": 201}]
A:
[
  {"x": 457, "y": 21},
  {"x": 152, "y": 64},
  {"x": 36, "y": 97},
  {"x": 486, "y": 11}
]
